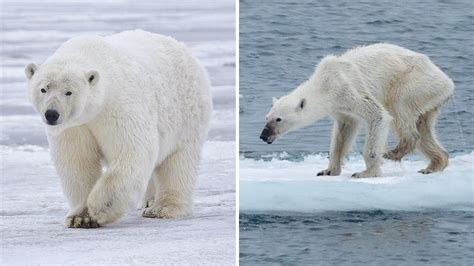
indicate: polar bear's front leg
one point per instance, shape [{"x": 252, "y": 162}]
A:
[
  {"x": 76, "y": 157},
  {"x": 120, "y": 188},
  {"x": 378, "y": 124},
  {"x": 343, "y": 135},
  {"x": 176, "y": 178}
]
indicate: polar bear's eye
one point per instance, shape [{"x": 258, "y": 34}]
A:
[
  {"x": 68, "y": 93},
  {"x": 278, "y": 119},
  {"x": 43, "y": 91}
]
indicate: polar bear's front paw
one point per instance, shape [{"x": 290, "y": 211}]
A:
[
  {"x": 425, "y": 171},
  {"x": 167, "y": 211},
  {"x": 329, "y": 172},
  {"x": 366, "y": 173},
  {"x": 82, "y": 220}
]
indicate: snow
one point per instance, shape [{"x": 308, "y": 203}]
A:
[
  {"x": 282, "y": 185},
  {"x": 33, "y": 208}
]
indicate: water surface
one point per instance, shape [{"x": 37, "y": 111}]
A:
[{"x": 281, "y": 42}]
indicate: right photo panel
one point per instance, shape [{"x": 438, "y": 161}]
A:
[{"x": 356, "y": 133}]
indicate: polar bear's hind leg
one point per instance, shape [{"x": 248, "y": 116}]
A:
[
  {"x": 176, "y": 177},
  {"x": 428, "y": 144},
  {"x": 408, "y": 136}
]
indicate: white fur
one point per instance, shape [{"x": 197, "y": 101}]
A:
[
  {"x": 145, "y": 113},
  {"x": 374, "y": 84}
]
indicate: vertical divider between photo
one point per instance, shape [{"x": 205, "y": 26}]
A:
[{"x": 237, "y": 128}]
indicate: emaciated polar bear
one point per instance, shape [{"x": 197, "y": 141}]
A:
[
  {"x": 137, "y": 104},
  {"x": 373, "y": 84}
]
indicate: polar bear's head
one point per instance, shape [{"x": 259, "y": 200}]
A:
[
  {"x": 63, "y": 96},
  {"x": 287, "y": 114}
]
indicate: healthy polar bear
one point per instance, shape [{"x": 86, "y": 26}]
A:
[
  {"x": 136, "y": 103},
  {"x": 373, "y": 84}
]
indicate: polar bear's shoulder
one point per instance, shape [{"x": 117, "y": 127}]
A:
[
  {"x": 84, "y": 41},
  {"x": 85, "y": 46},
  {"x": 331, "y": 64},
  {"x": 379, "y": 50},
  {"x": 140, "y": 36}
]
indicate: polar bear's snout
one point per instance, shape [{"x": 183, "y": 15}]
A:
[
  {"x": 51, "y": 117},
  {"x": 267, "y": 134}
]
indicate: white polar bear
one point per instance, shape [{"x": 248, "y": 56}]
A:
[
  {"x": 137, "y": 104},
  {"x": 374, "y": 84}
]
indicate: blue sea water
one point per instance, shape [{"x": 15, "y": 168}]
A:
[
  {"x": 281, "y": 42},
  {"x": 347, "y": 238}
]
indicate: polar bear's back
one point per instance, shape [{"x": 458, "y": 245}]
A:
[
  {"x": 387, "y": 59},
  {"x": 143, "y": 46},
  {"x": 378, "y": 49},
  {"x": 387, "y": 72},
  {"x": 380, "y": 66},
  {"x": 384, "y": 58},
  {"x": 178, "y": 81}
]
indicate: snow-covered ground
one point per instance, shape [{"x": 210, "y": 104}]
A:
[
  {"x": 282, "y": 185},
  {"x": 32, "y": 206}
]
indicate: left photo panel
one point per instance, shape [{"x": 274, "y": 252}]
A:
[{"x": 118, "y": 132}]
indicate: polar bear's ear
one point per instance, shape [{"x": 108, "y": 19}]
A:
[
  {"x": 92, "y": 77},
  {"x": 30, "y": 70},
  {"x": 274, "y": 100}
]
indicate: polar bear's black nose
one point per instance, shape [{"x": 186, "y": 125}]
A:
[
  {"x": 266, "y": 133},
  {"x": 51, "y": 116}
]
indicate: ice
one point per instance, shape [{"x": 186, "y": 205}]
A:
[
  {"x": 282, "y": 185},
  {"x": 33, "y": 208}
]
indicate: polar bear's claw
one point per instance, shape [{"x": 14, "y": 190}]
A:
[
  {"x": 357, "y": 175},
  {"x": 324, "y": 172},
  {"x": 329, "y": 172},
  {"x": 166, "y": 212},
  {"x": 82, "y": 220},
  {"x": 365, "y": 174},
  {"x": 425, "y": 171}
]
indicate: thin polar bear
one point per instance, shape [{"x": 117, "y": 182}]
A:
[
  {"x": 379, "y": 84},
  {"x": 135, "y": 103}
]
